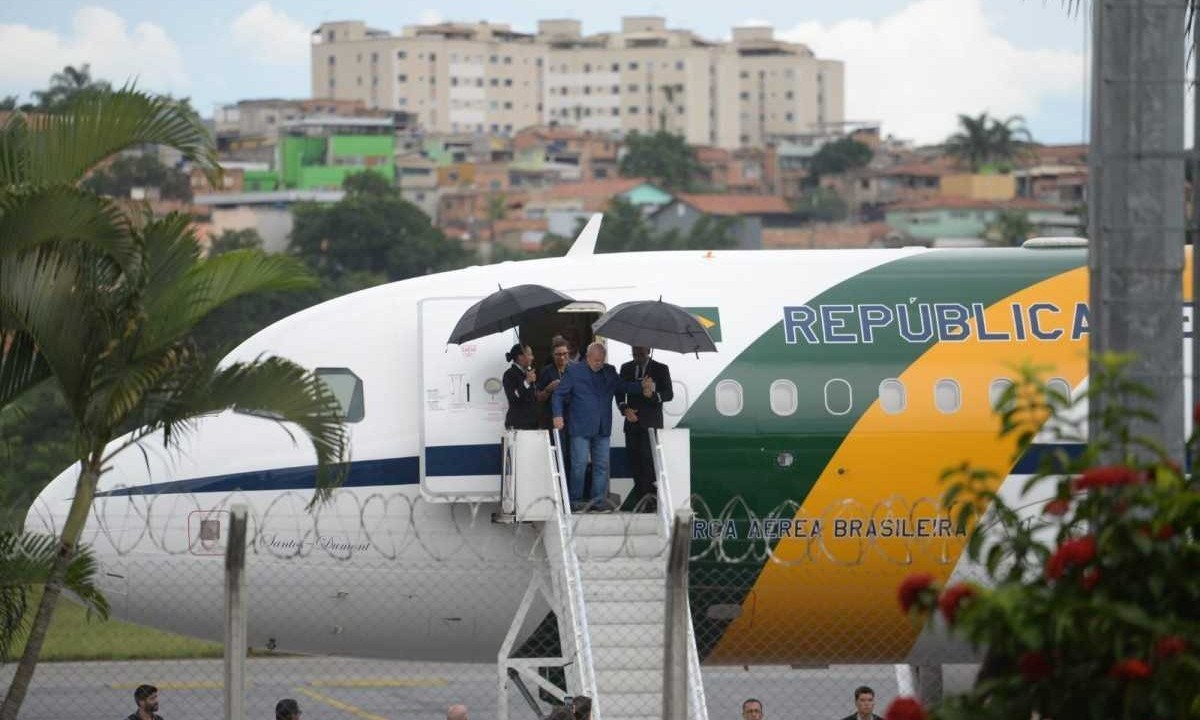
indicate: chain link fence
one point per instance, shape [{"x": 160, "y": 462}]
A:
[{"x": 383, "y": 605}]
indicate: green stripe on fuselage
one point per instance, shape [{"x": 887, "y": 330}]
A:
[{"x": 737, "y": 457}]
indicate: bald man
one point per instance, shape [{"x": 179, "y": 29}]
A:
[{"x": 457, "y": 712}]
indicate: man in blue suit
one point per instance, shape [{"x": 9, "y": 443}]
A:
[{"x": 591, "y": 387}]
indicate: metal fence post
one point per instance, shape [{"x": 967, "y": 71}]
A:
[{"x": 235, "y": 615}]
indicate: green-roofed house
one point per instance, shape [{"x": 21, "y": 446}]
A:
[{"x": 318, "y": 153}]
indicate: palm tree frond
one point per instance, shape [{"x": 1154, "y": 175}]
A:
[
  {"x": 59, "y": 213},
  {"x": 25, "y": 562},
  {"x": 206, "y": 286},
  {"x": 274, "y": 387},
  {"x": 21, "y": 365},
  {"x": 46, "y": 311},
  {"x": 62, "y": 148}
]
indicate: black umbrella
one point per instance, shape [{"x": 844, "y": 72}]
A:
[
  {"x": 506, "y": 308},
  {"x": 655, "y": 324}
]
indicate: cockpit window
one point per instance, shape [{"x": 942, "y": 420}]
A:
[{"x": 347, "y": 388}]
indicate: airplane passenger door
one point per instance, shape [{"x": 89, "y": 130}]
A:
[{"x": 462, "y": 405}]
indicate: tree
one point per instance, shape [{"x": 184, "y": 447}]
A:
[
  {"x": 130, "y": 171},
  {"x": 385, "y": 236},
  {"x": 821, "y": 205},
  {"x": 982, "y": 140},
  {"x": 839, "y": 156},
  {"x": 65, "y": 86},
  {"x": 663, "y": 157},
  {"x": 369, "y": 183},
  {"x": 1011, "y": 227},
  {"x": 231, "y": 240},
  {"x": 1093, "y": 604},
  {"x": 497, "y": 209},
  {"x": 25, "y": 562},
  {"x": 9, "y": 102},
  {"x": 103, "y": 308}
]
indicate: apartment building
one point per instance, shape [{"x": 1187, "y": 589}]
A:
[
  {"x": 451, "y": 77},
  {"x": 485, "y": 77}
]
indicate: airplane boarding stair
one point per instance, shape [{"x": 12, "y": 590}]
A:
[{"x": 609, "y": 588}]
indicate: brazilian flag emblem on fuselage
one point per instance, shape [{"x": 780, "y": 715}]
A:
[{"x": 710, "y": 318}]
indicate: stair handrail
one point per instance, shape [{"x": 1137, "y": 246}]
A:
[
  {"x": 666, "y": 507},
  {"x": 695, "y": 679},
  {"x": 573, "y": 585}
]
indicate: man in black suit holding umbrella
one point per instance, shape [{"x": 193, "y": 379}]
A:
[{"x": 641, "y": 414}]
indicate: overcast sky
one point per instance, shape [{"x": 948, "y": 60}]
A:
[{"x": 912, "y": 64}]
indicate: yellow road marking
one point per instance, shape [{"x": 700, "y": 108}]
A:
[
  {"x": 339, "y": 705},
  {"x": 197, "y": 685},
  {"x": 381, "y": 683}
]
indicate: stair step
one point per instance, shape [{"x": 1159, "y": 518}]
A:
[
  {"x": 627, "y": 681},
  {"x": 646, "y": 636},
  {"x": 632, "y": 706},
  {"x": 630, "y": 590},
  {"x": 625, "y": 613},
  {"x": 613, "y": 524},
  {"x": 616, "y": 547},
  {"x": 642, "y": 657},
  {"x": 622, "y": 569}
]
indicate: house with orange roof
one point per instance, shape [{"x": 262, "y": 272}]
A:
[{"x": 750, "y": 215}]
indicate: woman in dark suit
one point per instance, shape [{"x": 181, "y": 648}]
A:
[{"x": 520, "y": 387}]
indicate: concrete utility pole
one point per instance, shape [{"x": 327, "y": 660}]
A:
[
  {"x": 235, "y": 615},
  {"x": 1136, "y": 210}
]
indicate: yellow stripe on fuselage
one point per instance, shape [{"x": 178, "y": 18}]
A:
[{"x": 890, "y": 466}]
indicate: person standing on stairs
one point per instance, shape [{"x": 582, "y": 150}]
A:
[
  {"x": 641, "y": 414},
  {"x": 590, "y": 388},
  {"x": 520, "y": 389}
]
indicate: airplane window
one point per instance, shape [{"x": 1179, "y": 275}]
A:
[
  {"x": 839, "y": 397},
  {"x": 892, "y": 397},
  {"x": 679, "y": 403},
  {"x": 347, "y": 388},
  {"x": 1060, "y": 386},
  {"x": 784, "y": 397},
  {"x": 947, "y": 396},
  {"x": 729, "y": 397},
  {"x": 996, "y": 391}
]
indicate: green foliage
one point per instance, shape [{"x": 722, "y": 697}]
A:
[
  {"x": 66, "y": 86},
  {"x": 663, "y": 158},
  {"x": 25, "y": 562},
  {"x": 128, "y": 172},
  {"x": 839, "y": 156},
  {"x": 104, "y": 308},
  {"x": 9, "y": 102},
  {"x": 821, "y": 205},
  {"x": 625, "y": 229},
  {"x": 380, "y": 235},
  {"x": 369, "y": 184},
  {"x": 1011, "y": 227},
  {"x": 230, "y": 240},
  {"x": 982, "y": 140},
  {"x": 1093, "y": 608}
]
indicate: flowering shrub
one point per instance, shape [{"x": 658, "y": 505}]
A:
[{"x": 1092, "y": 605}]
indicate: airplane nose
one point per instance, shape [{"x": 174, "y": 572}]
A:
[{"x": 48, "y": 511}]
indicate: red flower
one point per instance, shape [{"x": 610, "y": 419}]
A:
[
  {"x": 1072, "y": 553},
  {"x": 953, "y": 598},
  {"x": 1034, "y": 666},
  {"x": 1059, "y": 507},
  {"x": 1130, "y": 669},
  {"x": 912, "y": 588},
  {"x": 1090, "y": 578},
  {"x": 1170, "y": 646},
  {"x": 1166, "y": 532},
  {"x": 1107, "y": 476},
  {"x": 905, "y": 708},
  {"x": 1196, "y": 416}
]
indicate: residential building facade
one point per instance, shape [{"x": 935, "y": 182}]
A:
[{"x": 485, "y": 77}]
